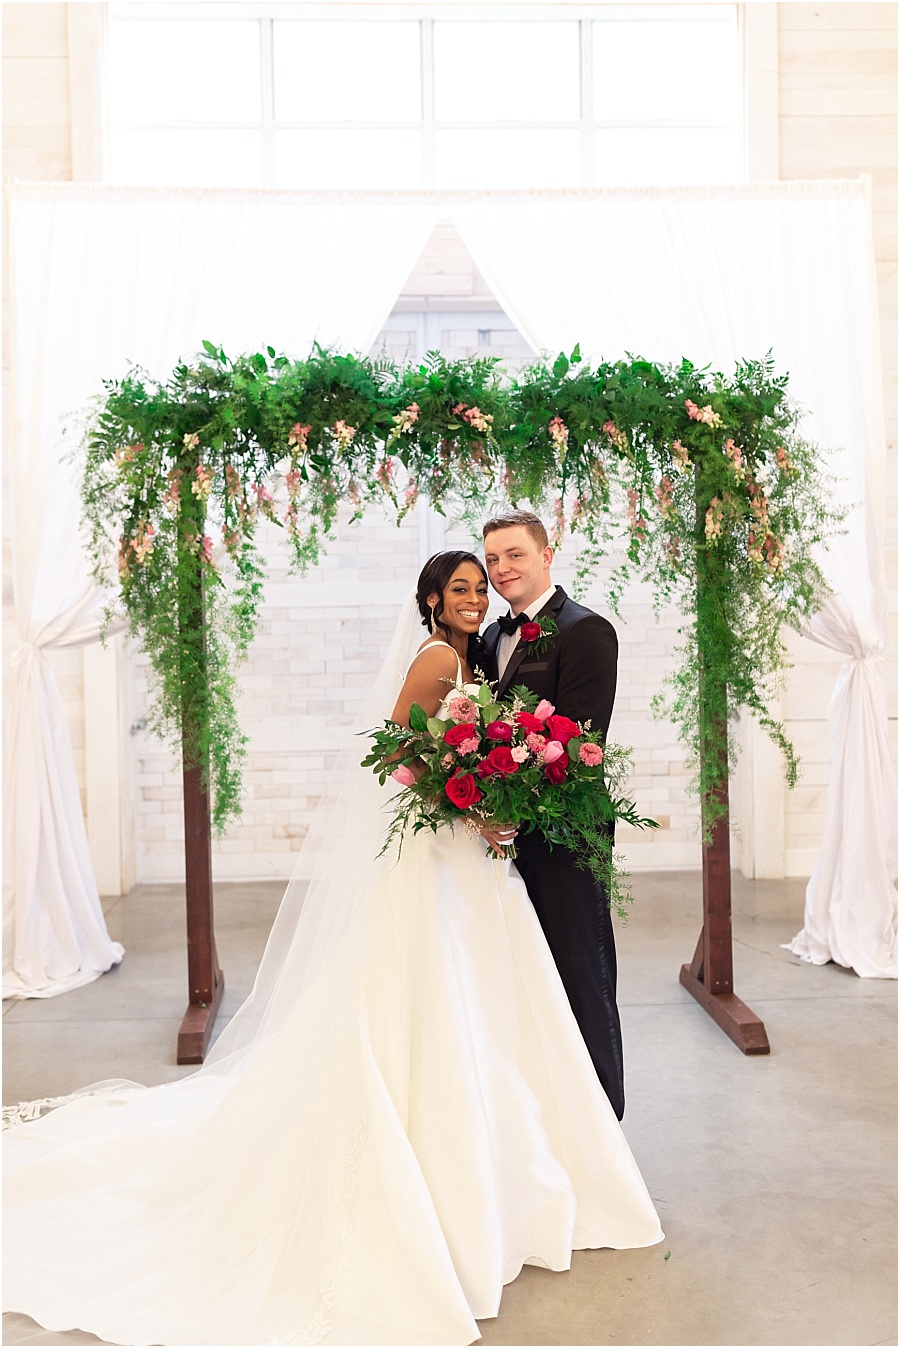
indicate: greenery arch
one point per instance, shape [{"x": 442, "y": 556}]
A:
[{"x": 703, "y": 481}]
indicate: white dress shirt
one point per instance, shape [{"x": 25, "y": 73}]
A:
[{"x": 508, "y": 642}]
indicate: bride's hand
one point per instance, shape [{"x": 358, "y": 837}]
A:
[{"x": 499, "y": 836}]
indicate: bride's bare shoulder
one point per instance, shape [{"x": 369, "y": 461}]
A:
[{"x": 436, "y": 652}]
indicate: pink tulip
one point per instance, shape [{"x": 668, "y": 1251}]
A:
[
  {"x": 544, "y": 709},
  {"x": 553, "y": 751},
  {"x": 404, "y": 775}
]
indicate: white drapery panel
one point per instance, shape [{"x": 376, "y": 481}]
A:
[
  {"x": 101, "y": 277},
  {"x": 717, "y": 274}
]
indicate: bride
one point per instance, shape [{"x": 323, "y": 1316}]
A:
[{"x": 400, "y": 1116}]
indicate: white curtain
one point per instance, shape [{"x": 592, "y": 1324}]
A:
[
  {"x": 100, "y": 277},
  {"x": 106, "y": 275},
  {"x": 716, "y": 274}
]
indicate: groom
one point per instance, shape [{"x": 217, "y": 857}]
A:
[{"x": 577, "y": 673}]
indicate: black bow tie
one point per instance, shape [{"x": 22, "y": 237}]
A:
[{"x": 508, "y": 624}]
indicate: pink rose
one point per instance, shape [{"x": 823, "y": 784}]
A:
[
  {"x": 499, "y": 730},
  {"x": 404, "y": 775},
  {"x": 462, "y": 709},
  {"x": 591, "y": 755},
  {"x": 469, "y": 746},
  {"x": 553, "y": 751},
  {"x": 544, "y": 709}
]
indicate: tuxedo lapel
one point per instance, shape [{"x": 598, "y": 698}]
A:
[{"x": 553, "y": 605}]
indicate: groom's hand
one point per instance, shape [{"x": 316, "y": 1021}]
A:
[{"x": 499, "y": 836}]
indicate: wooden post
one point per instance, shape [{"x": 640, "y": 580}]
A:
[
  {"x": 206, "y": 981},
  {"x": 710, "y": 975}
]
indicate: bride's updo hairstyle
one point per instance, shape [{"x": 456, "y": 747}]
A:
[{"x": 433, "y": 579}]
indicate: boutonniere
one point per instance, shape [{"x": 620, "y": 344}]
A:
[{"x": 538, "y": 634}]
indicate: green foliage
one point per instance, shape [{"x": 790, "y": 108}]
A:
[{"x": 178, "y": 474}]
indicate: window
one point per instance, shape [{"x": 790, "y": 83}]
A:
[{"x": 302, "y": 97}]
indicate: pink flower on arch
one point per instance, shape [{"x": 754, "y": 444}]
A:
[
  {"x": 559, "y": 433},
  {"x": 298, "y": 435},
  {"x": 704, "y": 414}
]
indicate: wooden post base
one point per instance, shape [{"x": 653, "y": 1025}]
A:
[
  {"x": 196, "y": 1027},
  {"x": 729, "y": 1012}
]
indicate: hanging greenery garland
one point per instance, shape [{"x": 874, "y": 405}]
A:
[{"x": 702, "y": 481}]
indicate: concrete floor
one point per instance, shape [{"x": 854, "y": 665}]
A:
[{"x": 775, "y": 1176}]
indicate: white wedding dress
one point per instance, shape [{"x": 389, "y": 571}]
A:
[{"x": 400, "y": 1131}]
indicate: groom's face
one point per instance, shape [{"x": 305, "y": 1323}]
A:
[{"x": 517, "y": 567}]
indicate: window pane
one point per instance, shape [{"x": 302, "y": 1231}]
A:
[
  {"x": 506, "y": 71},
  {"x": 348, "y": 158},
  {"x": 347, "y": 72},
  {"x": 187, "y": 158},
  {"x": 171, "y": 70},
  {"x": 666, "y": 70},
  {"x": 508, "y": 158},
  {"x": 659, "y": 156}
]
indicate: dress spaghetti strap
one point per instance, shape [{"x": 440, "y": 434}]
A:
[{"x": 429, "y": 645}]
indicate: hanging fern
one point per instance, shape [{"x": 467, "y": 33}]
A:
[{"x": 702, "y": 480}]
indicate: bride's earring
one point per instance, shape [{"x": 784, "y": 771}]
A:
[{"x": 434, "y": 630}]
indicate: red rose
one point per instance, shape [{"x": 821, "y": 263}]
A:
[
  {"x": 555, "y": 772},
  {"x": 562, "y": 729},
  {"x": 462, "y": 789},
  {"x": 530, "y": 632},
  {"x": 532, "y": 725},
  {"x": 499, "y": 761},
  {"x": 457, "y": 733},
  {"x": 499, "y": 730},
  {"x": 502, "y": 761}
]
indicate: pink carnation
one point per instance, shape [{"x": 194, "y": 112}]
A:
[
  {"x": 404, "y": 775},
  {"x": 469, "y": 746},
  {"x": 536, "y": 742},
  {"x": 519, "y": 753},
  {"x": 552, "y": 751},
  {"x": 544, "y": 709},
  {"x": 462, "y": 709},
  {"x": 591, "y": 755}
]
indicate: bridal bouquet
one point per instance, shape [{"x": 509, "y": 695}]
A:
[{"x": 510, "y": 761}]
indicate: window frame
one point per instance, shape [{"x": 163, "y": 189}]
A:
[{"x": 268, "y": 12}]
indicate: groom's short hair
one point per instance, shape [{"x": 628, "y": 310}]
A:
[{"x": 515, "y": 518}]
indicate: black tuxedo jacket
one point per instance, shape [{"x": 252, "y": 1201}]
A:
[{"x": 577, "y": 671}]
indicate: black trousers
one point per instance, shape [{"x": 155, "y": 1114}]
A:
[{"x": 574, "y": 913}]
